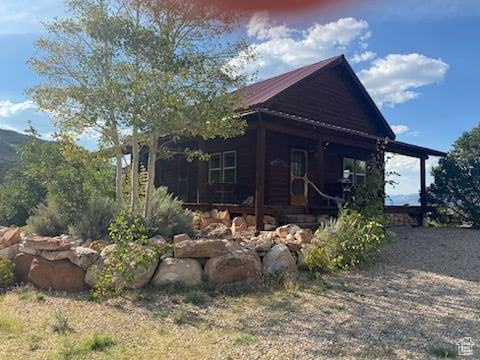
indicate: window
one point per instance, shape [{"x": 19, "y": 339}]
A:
[
  {"x": 355, "y": 170},
  {"x": 230, "y": 167},
  {"x": 215, "y": 169},
  {"x": 223, "y": 168}
]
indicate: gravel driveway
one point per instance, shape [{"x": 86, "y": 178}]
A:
[{"x": 420, "y": 297}]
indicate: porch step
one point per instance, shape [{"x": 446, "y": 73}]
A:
[
  {"x": 312, "y": 226},
  {"x": 297, "y": 218},
  {"x": 287, "y": 210}
]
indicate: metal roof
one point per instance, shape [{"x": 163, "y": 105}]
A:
[{"x": 262, "y": 91}]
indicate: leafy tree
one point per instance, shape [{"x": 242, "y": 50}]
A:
[
  {"x": 456, "y": 188},
  {"x": 185, "y": 77},
  {"x": 82, "y": 67},
  {"x": 69, "y": 174}
]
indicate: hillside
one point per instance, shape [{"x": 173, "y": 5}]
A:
[{"x": 9, "y": 140}]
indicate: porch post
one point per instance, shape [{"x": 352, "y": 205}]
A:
[
  {"x": 423, "y": 191},
  {"x": 260, "y": 174},
  {"x": 201, "y": 176}
]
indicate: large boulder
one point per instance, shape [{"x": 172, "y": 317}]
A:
[
  {"x": 216, "y": 231},
  {"x": 239, "y": 266},
  {"x": 180, "y": 237},
  {"x": 10, "y": 238},
  {"x": 55, "y": 255},
  {"x": 279, "y": 261},
  {"x": 239, "y": 224},
  {"x": 283, "y": 231},
  {"x": 9, "y": 253},
  {"x": 22, "y": 264},
  {"x": 204, "y": 248},
  {"x": 141, "y": 275},
  {"x": 172, "y": 270},
  {"x": 303, "y": 236},
  {"x": 57, "y": 275},
  {"x": 83, "y": 257},
  {"x": 48, "y": 243}
]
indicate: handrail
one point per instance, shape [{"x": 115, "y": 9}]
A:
[{"x": 338, "y": 201}]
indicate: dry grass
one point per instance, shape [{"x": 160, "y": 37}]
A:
[{"x": 396, "y": 308}]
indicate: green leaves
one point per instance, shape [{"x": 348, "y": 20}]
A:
[{"x": 456, "y": 187}]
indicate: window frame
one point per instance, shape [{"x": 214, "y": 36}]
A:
[
  {"x": 222, "y": 167},
  {"x": 355, "y": 170},
  {"x": 234, "y": 168},
  {"x": 210, "y": 169}
]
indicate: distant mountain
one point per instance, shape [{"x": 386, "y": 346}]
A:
[
  {"x": 9, "y": 141},
  {"x": 400, "y": 200}
]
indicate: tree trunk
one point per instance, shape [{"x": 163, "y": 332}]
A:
[
  {"x": 119, "y": 175},
  {"x": 152, "y": 160},
  {"x": 135, "y": 168}
]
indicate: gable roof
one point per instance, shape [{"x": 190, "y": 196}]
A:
[{"x": 258, "y": 94}]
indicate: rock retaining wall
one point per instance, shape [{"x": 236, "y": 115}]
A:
[{"x": 216, "y": 254}]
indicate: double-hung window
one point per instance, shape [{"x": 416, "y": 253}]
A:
[
  {"x": 355, "y": 170},
  {"x": 223, "y": 168}
]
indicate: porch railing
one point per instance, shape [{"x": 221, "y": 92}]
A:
[{"x": 338, "y": 201}]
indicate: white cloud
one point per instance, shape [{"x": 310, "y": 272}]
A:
[
  {"x": 23, "y": 16},
  {"x": 400, "y": 129},
  {"x": 362, "y": 57},
  {"x": 9, "y": 108},
  {"x": 280, "y": 48},
  {"x": 409, "y": 170},
  {"x": 393, "y": 79}
]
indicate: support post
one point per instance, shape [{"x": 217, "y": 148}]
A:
[
  {"x": 260, "y": 174},
  {"x": 423, "y": 191},
  {"x": 320, "y": 163},
  {"x": 201, "y": 176}
]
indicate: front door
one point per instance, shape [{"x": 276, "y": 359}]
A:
[
  {"x": 298, "y": 177},
  {"x": 183, "y": 178}
]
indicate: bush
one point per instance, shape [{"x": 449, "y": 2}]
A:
[
  {"x": 48, "y": 219},
  {"x": 456, "y": 189},
  {"x": 95, "y": 219},
  {"x": 18, "y": 198},
  {"x": 350, "y": 240},
  {"x": 128, "y": 227},
  {"x": 7, "y": 277},
  {"x": 168, "y": 215}
]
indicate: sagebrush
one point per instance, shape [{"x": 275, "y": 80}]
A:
[
  {"x": 169, "y": 217},
  {"x": 48, "y": 219},
  {"x": 7, "y": 276},
  {"x": 95, "y": 219},
  {"x": 346, "y": 242}
]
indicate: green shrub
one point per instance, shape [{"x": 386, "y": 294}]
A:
[
  {"x": 168, "y": 215},
  {"x": 350, "y": 240},
  {"x": 48, "y": 219},
  {"x": 128, "y": 227},
  {"x": 7, "y": 277},
  {"x": 95, "y": 219}
]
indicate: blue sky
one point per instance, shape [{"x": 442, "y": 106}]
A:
[{"x": 419, "y": 62}]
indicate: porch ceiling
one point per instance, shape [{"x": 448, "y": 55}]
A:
[{"x": 393, "y": 146}]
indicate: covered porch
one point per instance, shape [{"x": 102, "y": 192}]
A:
[{"x": 293, "y": 162}]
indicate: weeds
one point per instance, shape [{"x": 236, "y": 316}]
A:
[
  {"x": 244, "y": 340},
  {"x": 443, "y": 351},
  {"x": 98, "y": 343},
  {"x": 60, "y": 323},
  {"x": 194, "y": 297}
]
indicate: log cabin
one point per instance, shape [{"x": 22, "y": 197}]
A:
[{"x": 310, "y": 133}]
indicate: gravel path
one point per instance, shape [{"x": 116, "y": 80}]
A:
[{"x": 421, "y": 296}]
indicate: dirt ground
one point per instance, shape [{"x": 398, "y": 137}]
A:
[{"x": 416, "y": 301}]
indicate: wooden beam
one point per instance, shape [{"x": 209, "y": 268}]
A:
[
  {"x": 423, "y": 190},
  {"x": 202, "y": 176},
  {"x": 260, "y": 175}
]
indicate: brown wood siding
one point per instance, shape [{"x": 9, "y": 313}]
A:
[{"x": 326, "y": 97}]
